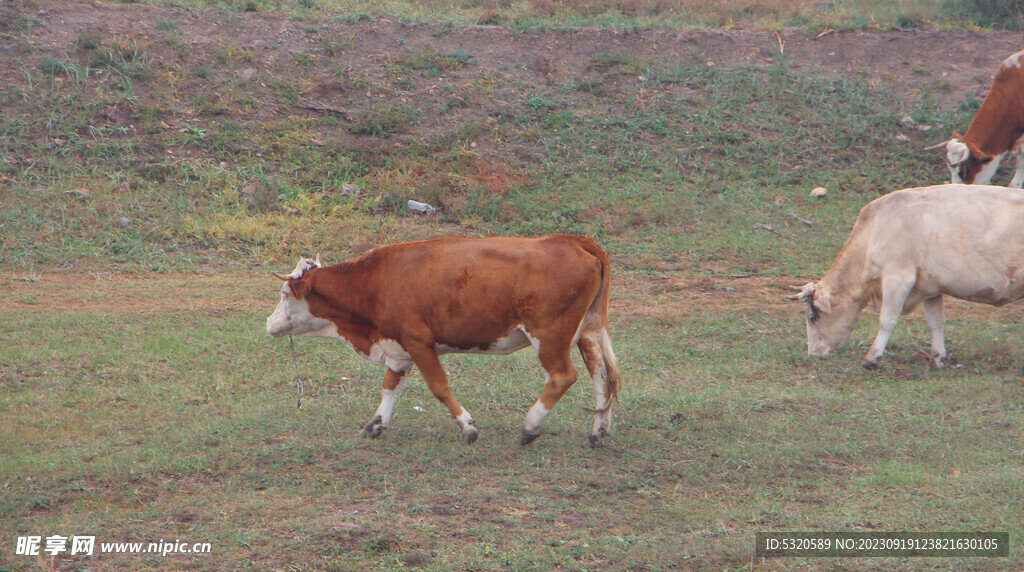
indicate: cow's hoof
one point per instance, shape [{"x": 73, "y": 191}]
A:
[
  {"x": 594, "y": 441},
  {"x": 469, "y": 434},
  {"x": 937, "y": 362},
  {"x": 375, "y": 428},
  {"x": 527, "y": 437},
  {"x": 868, "y": 364}
]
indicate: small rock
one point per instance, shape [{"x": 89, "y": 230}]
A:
[
  {"x": 902, "y": 138},
  {"x": 124, "y": 222},
  {"x": 80, "y": 193},
  {"x": 114, "y": 115},
  {"x": 259, "y": 45},
  {"x": 779, "y": 202},
  {"x": 350, "y": 190},
  {"x": 252, "y": 189},
  {"x": 418, "y": 207},
  {"x": 290, "y": 210},
  {"x": 247, "y": 74},
  {"x": 908, "y": 121},
  {"x": 818, "y": 192}
]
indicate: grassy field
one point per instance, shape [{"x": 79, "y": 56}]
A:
[
  {"x": 149, "y": 182},
  {"x": 155, "y": 409}
]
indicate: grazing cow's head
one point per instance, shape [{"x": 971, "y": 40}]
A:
[
  {"x": 292, "y": 315},
  {"x": 967, "y": 164},
  {"x": 828, "y": 325}
]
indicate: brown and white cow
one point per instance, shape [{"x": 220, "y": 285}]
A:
[
  {"x": 915, "y": 246},
  {"x": 994, "y": 133},
  {"x": 406, "y": 304}
]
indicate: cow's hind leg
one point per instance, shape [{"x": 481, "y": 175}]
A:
[
  {"x": 561, "y": 374},
  {"x": 394, "y": 383},
  {"x": 935, "y": 317},
  {"x": 590, "y": 349}
]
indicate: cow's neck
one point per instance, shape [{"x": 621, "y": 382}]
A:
[
  {"x": 992, "y": 131},
  {"x": 845, "y": 282},
  {"x": 343, "y": 293}
]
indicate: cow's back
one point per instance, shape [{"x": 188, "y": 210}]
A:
[{"x": 945, "y": 214}]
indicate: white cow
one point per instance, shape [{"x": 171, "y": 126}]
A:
[{"x": 915, "y": 246}]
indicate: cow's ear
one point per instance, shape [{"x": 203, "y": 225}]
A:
[
  {"x": 299, "y": 288},
  {"x": 978, "y": 155},
  {"x": 957, "y": 135},
  {"x": 823, "y": 300}
]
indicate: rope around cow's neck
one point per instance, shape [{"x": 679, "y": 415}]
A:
[{"x": 298, "y": 378}]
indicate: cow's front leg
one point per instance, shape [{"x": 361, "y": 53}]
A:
[
  {"x": 894, "y": 294},
  {"x": 394, "y": 383},
  {"x": 935, "y": 317},
  {"x": 1018, "y": 175},
  {"x": 425, "y": 358}
]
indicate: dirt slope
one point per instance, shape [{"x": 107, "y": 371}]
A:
[{"x": 960, "y": 63}]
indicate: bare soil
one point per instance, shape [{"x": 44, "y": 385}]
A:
[{"x": 953, "y": 64}]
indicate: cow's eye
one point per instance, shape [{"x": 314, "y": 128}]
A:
[{"x": 813, "y": 316}]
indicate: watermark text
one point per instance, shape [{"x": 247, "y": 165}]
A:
[{"x": 87, "y": 546}]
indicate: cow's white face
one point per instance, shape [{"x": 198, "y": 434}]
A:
[
  {"x": 970, "y": 168},
  {"x": 829, "y": 325},
  {"x": 829, "y": 322},
  {"x": 292, "y": 315},
  {"x": 957, "y": 155}
]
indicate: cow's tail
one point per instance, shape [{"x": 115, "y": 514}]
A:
[{"x": 597, "y": 315}]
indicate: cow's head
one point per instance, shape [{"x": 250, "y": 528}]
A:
[
  {"x": 829, "y": 322},
  {"x": 292, "y": 315},
  {"x": 967, "y": 163}
]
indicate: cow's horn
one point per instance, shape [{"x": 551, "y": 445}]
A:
[
  {"x": 806, "y": 291},
  {"x": 943, "y": 144},
  {"x": 317, "y": 262},
  {"x": 285, "y": 277}
]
